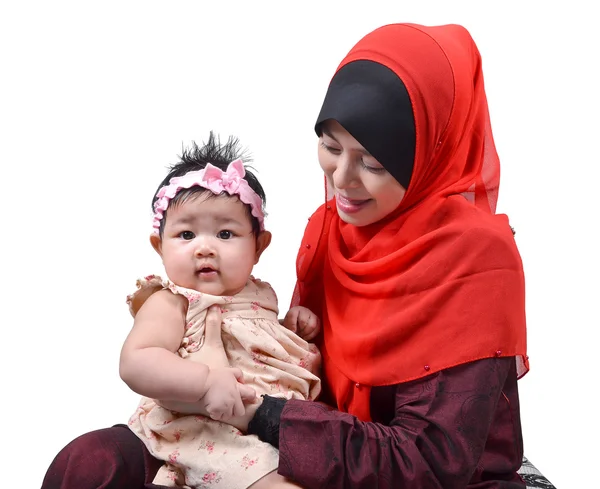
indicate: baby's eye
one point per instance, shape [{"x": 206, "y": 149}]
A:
[
  {"x": 225, "y": 234},
  {"x": 187, "y": 235}
]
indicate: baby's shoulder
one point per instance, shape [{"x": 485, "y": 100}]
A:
[
  {"x": 147, "y": 286},
  {"x": 262, "y": 287}
]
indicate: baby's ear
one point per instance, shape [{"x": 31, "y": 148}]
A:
[
  {"x": 156, "y": 243},
  {"x": 262, "y": 243}
]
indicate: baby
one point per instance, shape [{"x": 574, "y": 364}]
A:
[{"x": 209, "y": 230}]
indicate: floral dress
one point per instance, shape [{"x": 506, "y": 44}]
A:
[{"x": 198, "y": 451}]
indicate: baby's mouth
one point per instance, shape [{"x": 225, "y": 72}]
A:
[{"x": 206, "y": 270}]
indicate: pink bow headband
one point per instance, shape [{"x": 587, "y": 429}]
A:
[{"x": 216, "y": 180}]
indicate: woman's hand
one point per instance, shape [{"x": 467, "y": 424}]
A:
[
  {"x": 241, "y": 422},
  {"x": 224, "y": 394}
]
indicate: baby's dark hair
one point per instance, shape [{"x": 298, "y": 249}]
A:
[{"x": 195, "y": 158}]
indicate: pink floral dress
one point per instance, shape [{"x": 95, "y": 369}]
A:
[{"x": 198, "y": 451}]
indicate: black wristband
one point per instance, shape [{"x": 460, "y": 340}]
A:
[{"x": 265, "y": 423}]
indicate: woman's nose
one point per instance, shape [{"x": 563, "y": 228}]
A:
[{"x": 344, "y": 173}]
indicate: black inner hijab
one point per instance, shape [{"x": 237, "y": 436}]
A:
[{"x": 371, "y": 102}]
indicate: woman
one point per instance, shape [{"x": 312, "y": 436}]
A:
[
  {"x": 417, "y": 281},
  {"x": 419, "y": 284}
]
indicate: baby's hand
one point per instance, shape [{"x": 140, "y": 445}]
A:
[
  {"x": 303, "y": 322},
  {"x": 224, "y": 395}
]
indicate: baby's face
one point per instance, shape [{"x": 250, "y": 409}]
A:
[{"x": 208, "y": 244}]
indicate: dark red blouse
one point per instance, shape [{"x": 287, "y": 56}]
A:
[{"x": 456, "y": 428}]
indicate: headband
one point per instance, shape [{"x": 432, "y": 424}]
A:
[{"x": 217, "y": 181}]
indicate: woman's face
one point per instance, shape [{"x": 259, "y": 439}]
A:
[{"x": 364, "y": 190}]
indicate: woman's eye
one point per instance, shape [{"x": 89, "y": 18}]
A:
[
  {"x": 187, "y": 235},
  {"x": 330, "y": 149},
  {"x": 225, "y": 234},
  {"x": 373, "y": 169}
]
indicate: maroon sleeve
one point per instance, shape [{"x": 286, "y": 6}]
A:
[{"x": 435, "y": 439}]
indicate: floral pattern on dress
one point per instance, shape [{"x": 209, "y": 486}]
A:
[
  {"x": 248, "y": 462},
  {"x": 211, "y": 478}
]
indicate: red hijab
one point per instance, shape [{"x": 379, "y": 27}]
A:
[{"x": 440, "y": 281}]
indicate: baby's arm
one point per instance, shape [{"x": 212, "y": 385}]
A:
[{"x": 149, "y": 365}]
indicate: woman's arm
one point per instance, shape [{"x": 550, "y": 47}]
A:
[
  {"x": 149, "y": 365},
  {"x": 435, "y": 439}
]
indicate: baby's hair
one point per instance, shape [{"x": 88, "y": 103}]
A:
[{"x": 196, "y": 158}]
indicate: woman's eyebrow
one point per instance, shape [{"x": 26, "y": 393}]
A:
[{"x": 325, "y": 131}]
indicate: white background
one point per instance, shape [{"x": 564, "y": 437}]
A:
[{"x": 97, "y": 99}]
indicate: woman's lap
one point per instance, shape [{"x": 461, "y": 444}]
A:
[
  {"x": 114, "y": 458},
  {"x": 111, "y": 458}
]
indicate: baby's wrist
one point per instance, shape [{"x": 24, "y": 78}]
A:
[{"x": 203, "y": 371}]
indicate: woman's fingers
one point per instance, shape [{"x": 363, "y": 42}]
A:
[
  {"x": 212, "y": 334},
  {"x": 248, "y": 394}
]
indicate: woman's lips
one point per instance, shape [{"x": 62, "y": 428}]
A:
[{"x": 350, "y": 206}]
